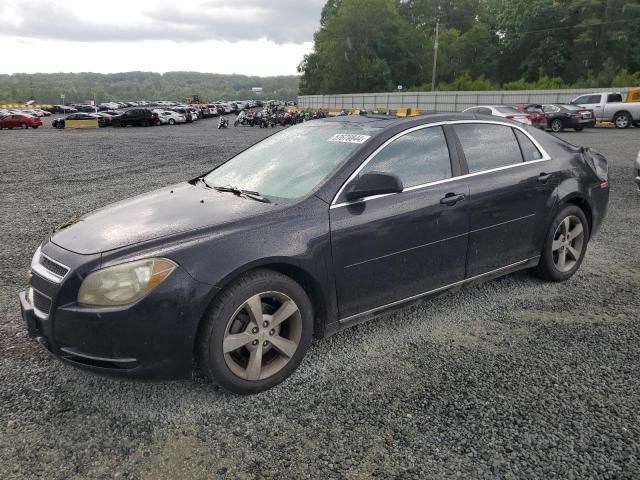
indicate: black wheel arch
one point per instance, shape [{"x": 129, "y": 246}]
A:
[{"x": 320, "y": 302}]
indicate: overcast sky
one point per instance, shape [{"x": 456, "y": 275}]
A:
[{"x": 252, "y": 37}]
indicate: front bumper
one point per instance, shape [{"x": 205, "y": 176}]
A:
[{"x": 152, "y": 339}]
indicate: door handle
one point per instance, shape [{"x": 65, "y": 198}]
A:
[
  {"x": 544, "y": 177},
  {"x": 452, "y": 198}
]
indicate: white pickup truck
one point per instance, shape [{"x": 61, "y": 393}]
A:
[{"x": 609, "y": 106}]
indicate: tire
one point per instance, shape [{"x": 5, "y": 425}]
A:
[
  {"x": 24, "y": 126},
  {"x": 622, "y": 120},
  {"x": 172, "y": 121},
  {"x": 556, "y": 125},
  {"x": 229, "y": 322},
  {"x": 556, "y": 246},
  {"x": 578, "y": 129},
  {"x": 34, "y": 126},
  {"x": 145, "y": 123},
  {"x": 236, "y": 123}
]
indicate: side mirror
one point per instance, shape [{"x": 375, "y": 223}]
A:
[{"x": 373, "y": 183}]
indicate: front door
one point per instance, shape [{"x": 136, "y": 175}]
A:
[{"x": 390, "y": 248}]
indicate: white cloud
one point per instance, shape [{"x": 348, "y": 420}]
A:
[{"x": 258, "y": 37}]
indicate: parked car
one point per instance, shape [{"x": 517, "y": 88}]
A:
[
  {"x": 168, "y": 117},
  {"x": 61, "y": 109},
  {"x": 609, "y": 106},
  {"x": 186, "y": 112},
  {"x": 239, "y": 268},
  {"x": 20, "y": 120},
  {"x": 637, "y": 170},
  {"x": 80, "y": 120},
  {"x": 138, "y": 117},
  {"x": 534, "y": 112},
  {"x": 561, "y": 116},
  {"x": 503, "y": 111}
]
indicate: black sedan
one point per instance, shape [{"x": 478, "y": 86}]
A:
[
  {"x": 239, "y": 268},
  {"x": 560, "y": 116}
]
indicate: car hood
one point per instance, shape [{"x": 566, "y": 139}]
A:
[{"x": 164, "y": 212}]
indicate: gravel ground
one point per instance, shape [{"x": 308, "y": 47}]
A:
[{"x": 514, "y": 378}]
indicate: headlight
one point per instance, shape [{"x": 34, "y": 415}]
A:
[{"x": 126, "y": 283}]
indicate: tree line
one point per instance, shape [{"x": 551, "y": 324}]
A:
[
  {"x": 377, "y": 45},
  {"x": 131, "y": 86}
]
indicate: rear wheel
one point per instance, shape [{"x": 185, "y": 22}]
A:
[
  {"x": 256, "y": 333},
  {"x": 34, "y": 126},
  {"x": 145, "y": 123},
  {"x": 556, "y": 125},
  {"x": 172, "y": 121},
  {"x": 622, "y": 120},
  {"x": 24, "y": 126},
  {"x": 578, "y": 129},
  {"x": 565, "y": 245}
]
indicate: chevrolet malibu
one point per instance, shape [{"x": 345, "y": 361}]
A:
[{"x": 238, "y": 269}]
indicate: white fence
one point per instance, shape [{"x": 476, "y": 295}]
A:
[{"x": 442, "y": 101}]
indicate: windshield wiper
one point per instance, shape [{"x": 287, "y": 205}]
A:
[
  {"x": 244, "y": 193},
  {"x": 206, "y": 184}
]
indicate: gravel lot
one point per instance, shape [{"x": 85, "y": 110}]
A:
[{"x": 515, "y": 378}]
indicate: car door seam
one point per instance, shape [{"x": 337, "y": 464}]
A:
[{"x": 405, "y": 250}]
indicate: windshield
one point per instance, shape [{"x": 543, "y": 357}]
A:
[{"x": 291, "y": 163}]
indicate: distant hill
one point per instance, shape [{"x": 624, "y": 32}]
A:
[{"x": 130, "y": 86}]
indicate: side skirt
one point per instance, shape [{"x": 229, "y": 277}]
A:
[{"x": 369, "y": 314}]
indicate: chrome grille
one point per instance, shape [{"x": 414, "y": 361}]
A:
[{"x": 53, "y": 267}]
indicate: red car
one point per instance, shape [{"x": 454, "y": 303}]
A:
[
  {"x": 19, "y": 121},
  {"x": 534, "y": 112}
]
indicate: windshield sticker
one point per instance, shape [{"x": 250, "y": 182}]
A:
[{"x": 349, "y": 138}]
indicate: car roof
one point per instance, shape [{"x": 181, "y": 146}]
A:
[{"x": 385, "y": 121}]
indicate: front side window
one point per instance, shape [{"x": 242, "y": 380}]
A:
[
  {"x": 416, "y": 158},
  {"x": 290, "y": 164},
  {"x": 488, "y": 146}
]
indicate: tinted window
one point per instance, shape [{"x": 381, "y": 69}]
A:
[
  {"x": 529, "y": 150},
  {"x": 484, "y": 111},
  {"x": 488, "y": 146},
  {"x": 418, "y": 157},
  {"x": 614, "y": 97}
]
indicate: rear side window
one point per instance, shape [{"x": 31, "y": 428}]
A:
[
  {"x": 529, "y": 150},
  {"x": 488, "y": 146},
  {"x": 417, "y": 158},
  {"x": 614, "y": 97}
]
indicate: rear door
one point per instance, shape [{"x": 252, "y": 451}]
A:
[
  {"x": 508, "y": 195},
  {"x": 391, "y": 247}
]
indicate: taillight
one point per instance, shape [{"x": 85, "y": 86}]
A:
[{"x": 509, "y": 117}]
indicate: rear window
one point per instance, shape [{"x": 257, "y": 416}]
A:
[
  {"x": 529, "y": 150},
  {"x": 488, "y": 146},
  {"x": 508, "y": 110}
]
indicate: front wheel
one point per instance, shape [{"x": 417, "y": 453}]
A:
[
  {"x": 578, "y": 129},
  {"x": 256, "y": 333},
  {"x": 172, "y": 121},
  {"x": 556, "y": 125},
  {"x": 565, "y": 245},
  {"x": 23, "y": 126}
]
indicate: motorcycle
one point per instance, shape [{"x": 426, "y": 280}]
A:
[
  {"x": 223, "y": 123},
  {"x": 243, "y": 119}
]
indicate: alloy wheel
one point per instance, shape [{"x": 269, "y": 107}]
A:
[
  {"x": 568, "y": 241},
  {"x": 556, "y": 125},
  {"x": 622, "y": 121},
  {"x": 262, "y": 336}
]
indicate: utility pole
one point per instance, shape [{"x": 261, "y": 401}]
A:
[{"x": 435, "y": 58}]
